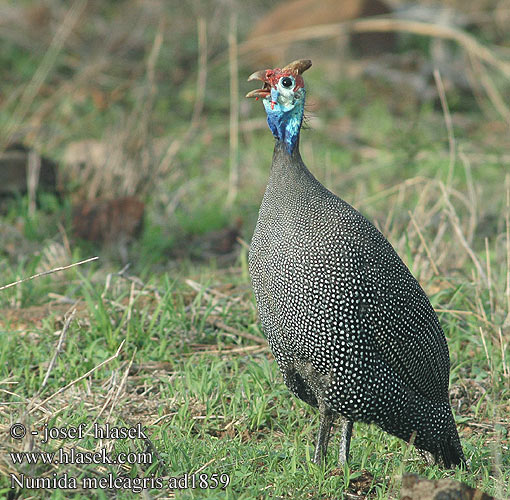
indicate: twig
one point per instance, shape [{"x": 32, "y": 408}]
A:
[{"x": 51, "y": 271}]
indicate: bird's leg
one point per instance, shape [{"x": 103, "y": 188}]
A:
[
  {"x": 345, "y": 441},
  {"x": 326, "y": 419}
]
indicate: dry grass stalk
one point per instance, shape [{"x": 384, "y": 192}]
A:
[
  {"x": 126, "y": 149},
  {"x": 507, "y": 225},
  {"x": 176, "y": 144},
  {"x": 455, "y": 223},
  {"x": 491, "y": 90},
  {"x": 70, "y": 384},
  {"x": 253, "y": 349},
  {"x": 425, "y": 213},
  {"x": 234, "y": 331},
  {"x": 475, "y": 50},
  {"x": 424, "y": 243},
  {"x": 207, "y": 292},
  {"x": 151, "y": 62},
  {"x": 57, "y": 349},
  {"x": 33, "y": 170},
  {"x": 504, "y": 349},
  {"x": 489, "y": 277},
  {"x": 137, "y": 281},
  {"x": 460, "y": 312},
  {"x": 69, "y": 22},
  {"x": 449, "y": 126},
  {"x": 473, "y": 201},
  {"x": 202, "y": 71},
  {"x": 479, "y": 305},
  {"x": 233, "y": 181},
  {"x": 429, "y": 208},
  {"x": 120, "y": 388},
  {"x": 489, "y": 360},
  {"x": 108, "y": 399},
  {"x": 414, "y": 181},
  {"x": 147, "y": 104},
  {"x": 467, "y": 41},
  {"x": 200, "y": 469},
  {"x": 131, "y": 302},
  {"x": 51, "y": 271}
]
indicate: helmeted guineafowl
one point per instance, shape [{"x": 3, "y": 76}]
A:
[{"x": 351, "y": 329}]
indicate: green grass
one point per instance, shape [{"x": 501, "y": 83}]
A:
[
  {"x": 193, "y": 366},
  {"x": 206, "y": 398}
]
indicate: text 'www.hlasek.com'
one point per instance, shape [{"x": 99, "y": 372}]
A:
[{"x": 102, "y": 458}]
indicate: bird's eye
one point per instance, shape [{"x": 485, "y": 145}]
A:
[{"x": 287, "y": 82}]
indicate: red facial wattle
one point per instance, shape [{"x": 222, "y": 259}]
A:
[
  {"x": 283, "y": 94},
  {"x": 270, "y": 79}
]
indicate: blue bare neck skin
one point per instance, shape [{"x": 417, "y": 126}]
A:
[{"x": 285, "y": 122}]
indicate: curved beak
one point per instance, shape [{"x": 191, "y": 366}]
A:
[{"x": 266, "y": 88}]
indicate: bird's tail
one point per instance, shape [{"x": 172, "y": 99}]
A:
[
  {"x": 450, "y": 450},
  {"x": 440, "y": 440}
]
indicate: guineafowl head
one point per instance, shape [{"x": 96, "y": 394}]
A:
[{"x": 283, "y": 95}]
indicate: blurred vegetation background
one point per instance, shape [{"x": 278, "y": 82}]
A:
[
  {"x": 139, "y": 104},
  {"x": 124, "y": 133}
]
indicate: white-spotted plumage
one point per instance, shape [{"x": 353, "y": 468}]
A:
[{"x": 351, "y": 329}]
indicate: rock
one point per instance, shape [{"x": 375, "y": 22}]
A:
[
  {"x": 14, "y": 171},
  {"x": 418, "y": 488},
  {"x": 220, "y": 244},
  {"x": 109, "y": 221}
]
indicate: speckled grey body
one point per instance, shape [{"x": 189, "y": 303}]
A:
[{"x": 350, "y": 327}]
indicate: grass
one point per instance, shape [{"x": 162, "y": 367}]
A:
[
  {"x": 174, "y": 343},
  {"x": 208, "y": 397}
]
